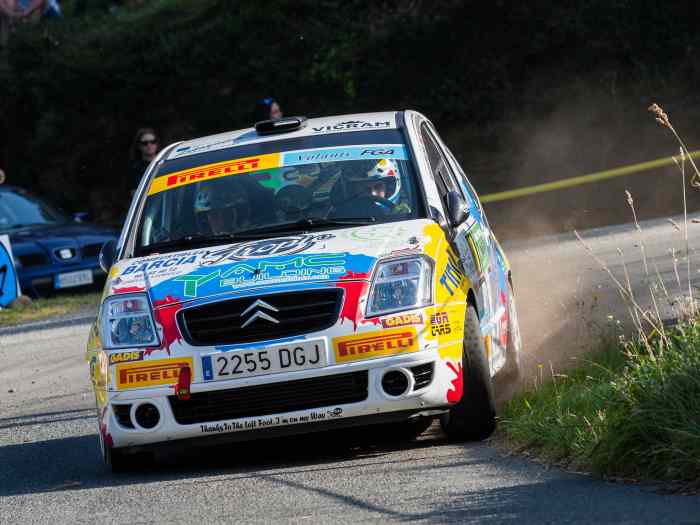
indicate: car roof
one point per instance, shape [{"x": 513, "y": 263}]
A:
[{"x": 311, "y": 127}]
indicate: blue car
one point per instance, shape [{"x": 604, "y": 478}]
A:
[{"x": 51, "y": 250}]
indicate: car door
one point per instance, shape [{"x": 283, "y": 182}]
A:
[
  {"x": 491, "y": 252},
  {"x": 469, "y": 238}
]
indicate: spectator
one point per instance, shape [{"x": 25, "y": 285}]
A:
[
  {"x": 143, "y": 150},
  {"x": 267, "y": 109}
]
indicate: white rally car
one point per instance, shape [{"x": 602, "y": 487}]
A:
[{"x": 299, "y": 276}]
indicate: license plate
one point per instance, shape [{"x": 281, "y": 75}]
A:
[
  {"x": 236, "y": 364},
  {"x": 66, "y": 280}
]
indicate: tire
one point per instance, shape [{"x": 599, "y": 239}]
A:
[
  {"x": 116, "y": 459},
  {"x": 473, "y": 418},
  {"x": 512, "y": 371}
]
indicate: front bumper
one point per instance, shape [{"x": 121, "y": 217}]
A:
[
  {"x": 39, "y": 281},
  {"x": 427, "y": 400}
]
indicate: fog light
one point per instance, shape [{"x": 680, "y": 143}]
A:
[
  {"x": 147, "y": 415},
  {"x": 395, "y": 383}
]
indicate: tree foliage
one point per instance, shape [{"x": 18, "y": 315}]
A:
[{"x": 74, "y": 91}]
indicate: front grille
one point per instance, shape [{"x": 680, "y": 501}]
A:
[
  {"x": 33, "y": 259},
  {"x": 274, "y": 398},
  {"x": 123, "y": 415},
  {"x": 91, "y": 250},
  {"x": 422, "y": 375},
  {"x": 297, "y": 313}
]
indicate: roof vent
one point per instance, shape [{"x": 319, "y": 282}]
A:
[{"x": 282, "y": 125}]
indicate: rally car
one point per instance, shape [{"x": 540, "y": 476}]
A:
[{"x": 300, "y": 276}]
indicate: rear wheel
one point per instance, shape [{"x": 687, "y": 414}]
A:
[{"x": 473, "y": 418}]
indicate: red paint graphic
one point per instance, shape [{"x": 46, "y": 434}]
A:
[
  {"x": 129, "y": 289},
  {"x": 503, "y": 328},
  {"x": 355, "y": 289},
  {"x": 354, "y": 275},
  {"x": 184, "y": 380},
  {"x": 165, "y": 316},
  {"x": 454, "y": 394},
  {"x": 106, "y": 436}
]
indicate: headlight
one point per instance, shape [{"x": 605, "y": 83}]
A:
[
  {"x": 127, "y": 322},
  {"x": 401, "y": 284}
]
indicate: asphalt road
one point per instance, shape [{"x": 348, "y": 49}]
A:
[{"x": 50, "y": 470}]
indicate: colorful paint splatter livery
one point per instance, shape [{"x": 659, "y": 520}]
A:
[{"x": 231, "y": 337}]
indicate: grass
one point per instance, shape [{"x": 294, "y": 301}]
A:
[
  {"x": 625, "y": 412},
  {"x": 632, "y": 410},
  {"x": 41, "y": 309}
]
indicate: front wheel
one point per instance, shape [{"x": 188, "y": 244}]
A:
[
  {"x": 116, "y": 459},
  {"x": 473, "y": 418}
]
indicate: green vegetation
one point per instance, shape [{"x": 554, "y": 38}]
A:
[
  {"x": 631, "y": 411},
  {"x": 42, "y": 309}
]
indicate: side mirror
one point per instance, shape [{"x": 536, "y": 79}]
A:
[
  {"x": 456, "y": 208},
  {"x": 107, "y": 255},
  {"x": 81, "y": 216}
]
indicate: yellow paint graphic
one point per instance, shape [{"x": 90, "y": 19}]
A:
[
  {"x": 375, "y": 344},
  {"x": 450, "y": 287},
  {"x": 583, "y": 179},
  {"x": 214, "y": 171},
  {"x": 151, "y": 373}
]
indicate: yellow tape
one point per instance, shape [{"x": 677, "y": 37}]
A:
[
  {"x": 214, "y": 171},
  {"x": 583, "y": 179}
]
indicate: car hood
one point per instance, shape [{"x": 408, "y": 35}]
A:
[
  {"x": 52, "y": 237},
  {"x": 285, "y": 263}
]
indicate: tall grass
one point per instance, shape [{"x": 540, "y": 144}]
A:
[
  {"x": 633, "y": 409},
  {"x": 620, "y": 413}
]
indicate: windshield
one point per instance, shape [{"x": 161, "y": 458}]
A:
[
  {"x": 278, "y": 187},
  {"x": 18, "y": 209}
]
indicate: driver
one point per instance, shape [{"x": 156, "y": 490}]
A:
[
  {"x": 221, "y": 207},
  {"x": 376, "y": 191}
]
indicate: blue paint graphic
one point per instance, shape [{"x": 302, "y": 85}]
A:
[
  {"x": 369, "y": 151},
  {"x": 8, "y": 278},
  {"x": 299, "y": 270}
]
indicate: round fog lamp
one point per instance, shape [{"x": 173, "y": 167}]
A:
[
  {"x": 395, "y": 383},
  {"x": 147, "y": 415}
]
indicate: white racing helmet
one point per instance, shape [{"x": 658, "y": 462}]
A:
[{"x": 387, "y": 171}]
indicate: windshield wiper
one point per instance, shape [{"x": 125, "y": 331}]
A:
[
  {"x": 188, "y": 241},
  {"x": 305, "y": 224}
]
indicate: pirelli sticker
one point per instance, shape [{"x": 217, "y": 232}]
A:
[
  {"x": 151, "y": 373},
  {"x": 375, "y": 344},
  {"x": 214, "y": 171}
]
